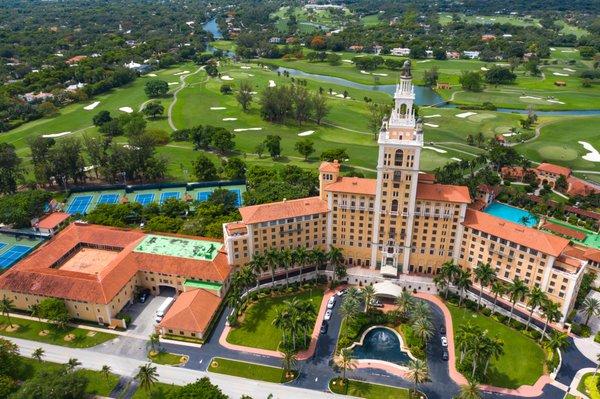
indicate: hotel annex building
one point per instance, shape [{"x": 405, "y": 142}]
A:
[{"x": 402, "y": 226}]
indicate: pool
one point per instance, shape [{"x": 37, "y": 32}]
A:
[
  {"x": 381, "y": 343},
  {"x": 512, "y": 214}
]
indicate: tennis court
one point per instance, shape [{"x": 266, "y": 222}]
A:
[
  {"x": 204, "y": 195},
  {"x": 169, "y": 194},
  {"x": 12, "y": 255},
  {"x": 144, "y": 199},
  {"x": 108, "y": 199},
  {"x": 80, "y": 204}
]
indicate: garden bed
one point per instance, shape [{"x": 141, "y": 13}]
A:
[
  {"x": 249, "y": 370},
  {"x": 367, "y": 390}
]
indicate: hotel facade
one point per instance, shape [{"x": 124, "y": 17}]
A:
[{"x": 402, "y": 226}]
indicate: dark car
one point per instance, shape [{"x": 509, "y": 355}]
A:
[
  {"x": 445, "y": 355},
  {"x": 443, "y": 330},
  {"x": 144, "y": 295},
  {"x": 324, "y": 327}
]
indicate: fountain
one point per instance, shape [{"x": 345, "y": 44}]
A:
[{"x": 382, "y": 343}]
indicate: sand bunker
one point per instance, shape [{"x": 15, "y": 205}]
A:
[
  {"x": 247, "y": 129},
  {"x": 509, "y": 134},
  {"x": 456, "y": 159},
  {"x": 245, "y": 67},
  {"x": 272, "y": 83},
  {"x": 127, "y": 110},
  {"x": 153, "y": 75},
  {"x": 560, "y": 74},
  {"x": 432, "y": 116},
  {"x": 569, "y": 70},
  {"x": 54, "y": 135},
  {"x": 465, "y": 114},
  {"x": 552, "y": 49},
  {"x": 217, "y": 108},
  {"x": 91, "y": 106},
  {"x": 226, "y": 77},
  {"x": 555, "y": 101},
  {"x": 484, "y": 69},
  {"x": 431, "y": 125},
  {"x": 173, "y": 83},
  {"x": 530, "y": 97},
  {"x": 567, "y": 51},
  {"x": 181, "y": 73},
  {"x": 365, "y": 72},
  {"x": 348, "y": 61},
  {"x": 593, "y": 155},
  {"x": 307, "y": 133},
  {"x": 435, "y": 149},
  {"x": 229, "y": 119},
  {"x": 380, "y": 74},
  {"x": 250, "y": 74},
  {"x": 341, "y": 95},
  {"x": 420, "y": 62}
]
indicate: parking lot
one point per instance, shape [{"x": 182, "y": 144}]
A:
[{"x": 142, "y": 314}]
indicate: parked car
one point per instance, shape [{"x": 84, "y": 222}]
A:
[
  {"x": 144, "y": 295},
  {"x": 376, "y": 303},
  {"x": 341, "y": 292},
  {"x": 327, "y": 315},
  {"x": 331, "y": 303},
  {"x": 445, "y": 355},
  {"x": 444, "y": 342},
  {"x": 324, "y": 327},
  {"x": 443, "y": 330}
]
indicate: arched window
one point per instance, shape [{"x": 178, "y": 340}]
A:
[
  {"x": 403, "y": 109},
  {"x": 395, "y": 206},
  {"x": 398, "y": 158}
]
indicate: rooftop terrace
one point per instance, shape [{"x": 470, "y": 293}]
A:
[{"x": 179, "y": 247}]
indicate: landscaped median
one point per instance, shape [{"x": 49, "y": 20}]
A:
[
  {"x": 367, "y": 390},
  {"x": 169, "y": 359},
  {"x": 33, "y": 330},
  {"x": 252, "y": 371},
  {"x": 589, "y": 385}
]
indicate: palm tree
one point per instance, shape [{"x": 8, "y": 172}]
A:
[
  {"x": 498, "y": 288},
  {"x": 318, "y": 257},
  {"x": 368, "y": 293},
  {"x": 517, "y": 291},
  {"x": 449, "y": 270},
  {"x": 536, "y": 298},
  {"x": 495, "y": 349},
  {"x": 72, "y": 364},
  {"x": 38, "y": 354},
  {"x": 350, "y": 308},
  {"x": 590, "y": 307},
  {"x": 285, "y": 262},
  {"x": 6, "y": 307},
  {"x": 423, "y": 329},
  {"x": 306, "y": 318},
  {"x": 463, "y": 282},
  {"x": 440, "y": 282},
  {"x": 146, "y": 376},
  {"x": 420, "y": 310},
  {"x": 470, "y": 390},
  {"x": 272, "y": 262},
  {"x": 417, "y": 373},
  {"x": 336, "y": 260},
  {"x": 106, "y": 371},
  {"x": 346, "y": 361},
  {"x": 289, "y": 360},
  {"x": 557, "y": 340},
  {"x": 464, "y": 336},
  {"x": 300, "y": 256},
  {"x": 35, "y": 311},
  {"x": 552, "y": 313},
  {"x": 154, "y": 342},
  {"x": 484, "y": 274},
  {"x": 405, "y": 302}
]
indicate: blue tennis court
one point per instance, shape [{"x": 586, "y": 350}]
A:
[
  {"x": 2, "y": 245},
  {"x": 169, "y": 194},
  {"x": 108, "y": 199},
  {"x": 238, "y": 196},
  {"x": 80, "y": 204},
  {"x": 12, "y": 255},
  {"x": 203, "y": 196},
  {"x": 144, "y": 199}
]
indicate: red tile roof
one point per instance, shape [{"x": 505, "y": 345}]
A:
[
  {"x": 330, "y": 167},
  {"x": 443, "y": 192},
  {"x": 426, "y": 178},
  {"x": 282, "y": 210},
  {"x": 35, "y": 275},
  {"x": 555, "y": 169},
  {"x": 580, "y": 187},
  {"x": 192, "y": 311},
  {"x": 519, "y": 234},
  {"x": 563, "y": 230},
  {"x": 353, "y": 185},
  {"x": 53, "y": 220}
]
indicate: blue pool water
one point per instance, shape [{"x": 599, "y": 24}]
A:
[
  {"x": 512, "y": 214},
  {"x": 381, "y": 344}
]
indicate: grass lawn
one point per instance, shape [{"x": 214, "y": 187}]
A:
[
  {"x": 166, "y": 358},
  {"x": 369, "y": 391},
  {"x": 98, "y": 384},
  {"x": 257, "y": 330},
  {"x": 559, "y": 143},
  {"x": 30, "y": 329},
  {"x": 523, "y": 360},
  {"x": 247, "y": 370},
  {"x": 159, "y": 391},
  {"x": 587, "y": 386}
]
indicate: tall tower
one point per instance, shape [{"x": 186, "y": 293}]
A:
[{"x": 400, "y": 142}]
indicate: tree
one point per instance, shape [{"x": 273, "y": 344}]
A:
[
  {"x": 259, "y": 149},
  {"x": 234, "y": 168},
  {"x": 156, "y": 88},
  {"x": 470, "y": 390},
  {"x": 222, "y": 140},
  {"x": 517, "y": 291},
  {"x": 376, "y": 114},
  {"x": 146, "y": 376},
  {"x": 449, "y": 271},
  {"x": 6, "y": 307},
  {"x": 289, "y": 359},
  {"x": 53, "y": 384},
  {"x": 334, "y": 154},
  {"x": 346, "y": 361},
  {"x": 55, "y": 311},
  {"x": 499, "y": 75},
  {"x": 484, "y": 274},
  {"x": 320, "y": 107},
  {"x": 302, "y": 104},
  {"x": 106, "y": 371},
  {"x": 404, "y": 303},
  {"x": 497, "y": 289},
  {"x": 368, "y": 294},
  {"x": 561, "y": 184},
  {"x": 226, "y": 89},
  {"x": 202, "y": 388},
  {"x": 350, "y": 308},
  {"x": 273, "y": 145},
  {"x": 462, "y": 282},
  {"x": 244, "y": 95},
  {"x": 10, "y": 168},
  {"x": 430, "y": 77},
  {"x": 101, "y": 118},
  {"x": 305, "y": 147},
  {"x": 552, "y": 313},
  {"x": 72, "y": 364},
  {"x": 471, "y": 81},
  {"x": 417, "y": 373},
  {"x": 204, "y": 168},
  {"x": 154, "y": 342},
  {"x": 211, "y": 70},
  {"x": 590, "y": 307},
  {"x": 537, "y": 297},
  {"x": 38, "y": 354},
  {"x": 153, "y": 109}
]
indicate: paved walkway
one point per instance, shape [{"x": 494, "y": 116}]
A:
[{"x": 575, "y": 383}]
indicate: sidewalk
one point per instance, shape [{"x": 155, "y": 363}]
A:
[{"x": 575, "y": 383}]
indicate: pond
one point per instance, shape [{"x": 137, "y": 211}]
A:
[
  {"x": 212, "y": 27},
  {"x": 381, "y": 343},
  {"x": 512, "y": 214}
]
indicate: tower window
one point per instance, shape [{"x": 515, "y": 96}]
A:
[{"x": 398, "y": 158}]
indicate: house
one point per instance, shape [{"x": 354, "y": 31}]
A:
[
  {"x": 429, "y": 53},
  {"x": 548, "y": 173},
  {"x": 400, "y": 51},
  {"x": 76, "y": 59},
  {"x": 471, "y": 54},
  {"x": 512, "y": 173},
  {"x": 357, "y": 48},
  {"x": 452, "y": 55},
  {"x": 51, "y": 223},
  {"x": 75, "y": 87},
  {"x": 275, "y": 40},
  {"x": 487, "y": 38},
  {"x": 580, "y": 187},
  {"x": 443, "y": 86},
  {"x": 33, "y": 97},
  {"x": 377, "y": 49},
  {"x": 500, "y": 139},
  {"x": 560, "y": 83},
  {"x": 291, "y": 40}
]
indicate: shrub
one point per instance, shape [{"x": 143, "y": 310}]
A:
[
  {"x": 581, "y": 330},
  {"x": 486, "y": 311}
]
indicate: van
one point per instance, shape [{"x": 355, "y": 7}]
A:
[{"x": 163, "y": 308}]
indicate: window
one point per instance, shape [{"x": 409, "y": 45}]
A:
[
  {"x": 398, "y": 158},
  {"x": 395, "y": 204}
]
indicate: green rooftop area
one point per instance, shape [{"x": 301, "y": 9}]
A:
[
  {"x": 203, "y": 284},
  {"x": 592, "y": 238},
  {"x": 179, "y": 247}
]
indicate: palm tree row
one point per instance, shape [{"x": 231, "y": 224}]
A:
[
  {"x": 417, "y": 313},
  {"x": 477, "y": 347},
  {"x": 296, "y": 318}
]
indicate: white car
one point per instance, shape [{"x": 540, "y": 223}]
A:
[
  {"x": 331, "y": 303},
  {"x": 444, "y": 342},
  {"x": 341, "y": 292},
  {"x": 327, "y": 315}
]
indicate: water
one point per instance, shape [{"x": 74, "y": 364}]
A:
[
  {"x": 381, "y": 344},
  {"x": 423, "y": 95},
  {"x": 512, "y": 214},
  {"x": 212, "y": 27}
]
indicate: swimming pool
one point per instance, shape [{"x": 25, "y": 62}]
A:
[{"x": 512, "y": 214}]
